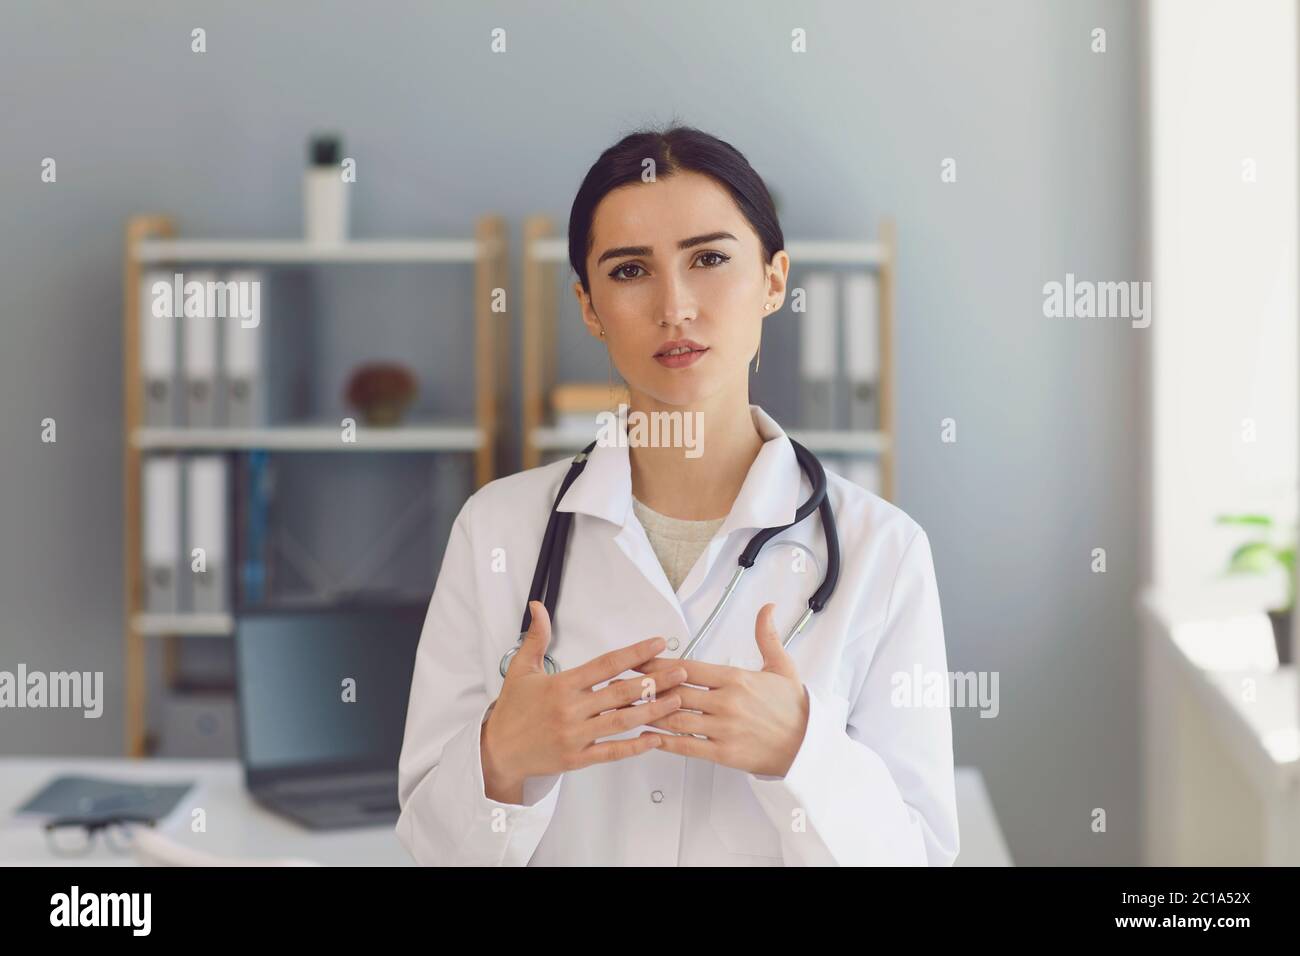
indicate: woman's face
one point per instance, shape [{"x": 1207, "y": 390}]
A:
[{"x": 672, "y": 260}]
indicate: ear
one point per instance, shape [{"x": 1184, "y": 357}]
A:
[
  {"x": 589, "y": 317},
  {"x": 778, "y": 272}
]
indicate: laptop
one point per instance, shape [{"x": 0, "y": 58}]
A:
[{"x": 321, "y": 707}]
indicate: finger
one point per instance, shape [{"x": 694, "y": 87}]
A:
[
  {"x": 703, "y": 700},
  {"x": 625, "y": 718},
  {"x": 618, "y": 749},
  {"x": 698, "y": 673},
  {"x": 690, "y": 747},
  {"x": 620, "y": 693},
  {"x": 775, "y": 658},
  {"x": 532, "y": 650},
  {"x": 602, "y": 668},
  {"x": 685, "y": 722}
]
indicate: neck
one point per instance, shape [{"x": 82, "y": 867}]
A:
[{"x": 702, "y": 487}]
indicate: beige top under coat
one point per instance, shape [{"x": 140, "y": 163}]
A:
[{"x": 677, "y": 542}]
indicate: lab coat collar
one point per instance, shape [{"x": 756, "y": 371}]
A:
[{"x": 769, "y": 496}]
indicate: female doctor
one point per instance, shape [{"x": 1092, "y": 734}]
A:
[{"x": 748, "y": 753}]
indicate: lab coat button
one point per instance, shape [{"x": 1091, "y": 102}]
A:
[
  {"x": 673, "y": 643},
  {"x": 657, "y": 796}
]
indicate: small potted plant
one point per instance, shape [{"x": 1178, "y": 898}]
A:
[
  {"x": 1262, "y": 557},
  {"x": 381, "y": 391}
]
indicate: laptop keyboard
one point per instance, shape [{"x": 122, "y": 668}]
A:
[{"x": 341, "y": 788}]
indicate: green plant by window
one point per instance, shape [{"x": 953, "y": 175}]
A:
[{"x": 1262, "y": 556}]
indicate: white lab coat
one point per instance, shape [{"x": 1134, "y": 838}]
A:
[{"x": 872, "y": 782}]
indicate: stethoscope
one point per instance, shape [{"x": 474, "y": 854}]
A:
[{"x": 550, "y": 560}]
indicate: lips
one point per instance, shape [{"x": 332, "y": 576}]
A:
[{"x": 672, "y": 344}]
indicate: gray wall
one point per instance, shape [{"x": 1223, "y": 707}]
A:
[{"x": 1047, "y": 136}]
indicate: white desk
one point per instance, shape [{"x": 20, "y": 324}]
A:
[
  {"x": 1221, "y": 737},
  {"x": 239, "y": 827}
]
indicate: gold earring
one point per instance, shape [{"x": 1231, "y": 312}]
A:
[
  {"x": 610, "y": 359},
  {"x": 759, "y": 354}
]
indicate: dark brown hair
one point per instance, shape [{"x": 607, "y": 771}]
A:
[{"x": 673, "y": 149}]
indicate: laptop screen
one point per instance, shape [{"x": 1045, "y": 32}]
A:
[{"x": 325, "y": 690}]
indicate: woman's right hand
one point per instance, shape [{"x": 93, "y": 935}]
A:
[{"x": 545, "y": 723}]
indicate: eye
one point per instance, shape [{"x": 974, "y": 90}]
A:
[
  {"x": 618, "y": 274},
  {"x": 720, "y": 256}
]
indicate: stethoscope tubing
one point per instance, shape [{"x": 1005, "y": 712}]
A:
[{"x": 555, "y": 540}]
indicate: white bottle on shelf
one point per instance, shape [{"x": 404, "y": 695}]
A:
[{"x": 324, "y": 193}]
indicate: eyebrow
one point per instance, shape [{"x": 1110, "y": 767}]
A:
[{"x": 649, "y": 250}]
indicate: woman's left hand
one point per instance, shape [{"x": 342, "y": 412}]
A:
[{"x": 753, "y": 720}]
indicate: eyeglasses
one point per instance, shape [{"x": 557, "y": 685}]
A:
[{"x": 75, "y": 836}]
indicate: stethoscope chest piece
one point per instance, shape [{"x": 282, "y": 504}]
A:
[{"x": 548, "y": 662}]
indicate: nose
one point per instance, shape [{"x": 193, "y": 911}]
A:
[{"x": 676, "y": 305}]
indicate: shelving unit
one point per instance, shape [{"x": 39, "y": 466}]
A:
[
  {"x": 311, "y": 438},
  {"x": 546, "y": 260},
  {"x": 150, "y": 240}
]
